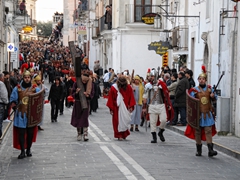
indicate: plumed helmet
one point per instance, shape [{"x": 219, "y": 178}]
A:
[{"x": 204, "y": 72}]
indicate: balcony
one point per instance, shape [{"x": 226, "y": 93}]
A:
[
  {"x": 134, "y": 13},
  {"x": 20, "y": 9}
]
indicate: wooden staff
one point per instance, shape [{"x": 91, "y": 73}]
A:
[{"x": 77, "y": 61}]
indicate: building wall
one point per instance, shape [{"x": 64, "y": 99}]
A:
[
  {"x": 2, "y": 39},
  {"x": 222, "y": 52},
  {"x": 69, "y": 33}
]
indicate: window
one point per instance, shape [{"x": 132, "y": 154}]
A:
[{"x": 142, "y": 7}]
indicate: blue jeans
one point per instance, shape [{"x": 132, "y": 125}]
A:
[
  {"x": 182, "y": 111},
  {"x": 2, "y": 111}
]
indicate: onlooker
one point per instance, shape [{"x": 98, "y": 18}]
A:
[
  {"x": 189, "y": 75},
  {"x": 108, "y": 17},
  {"x": 55, "y": 97},
  {"x": 105, "y": 79},
  {"x": 167, "y": 79},
  {"x": 112, "y": 77},
  {"x": 180, "y": 99},
  {"x": 96, "y": 67},
  {"x": 3, "y": 101},
  {"x": 13, "y": 80},
  {"x": 172, "y": 89}
]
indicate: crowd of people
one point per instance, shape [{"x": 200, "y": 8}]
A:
[{"x": 158, "y": 98}]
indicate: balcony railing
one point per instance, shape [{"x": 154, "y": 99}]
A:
[
  {"x": 102, "y": 26},
  {"x": 134, "y": 13},
  {"x": 83, "y": 6}
]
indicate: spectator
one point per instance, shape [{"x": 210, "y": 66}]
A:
[
  {"x": 96, "y": 67},
  {"x": 167, "y": 79},
  {"x": 3, "y": 101},
  {"x": 180, "y": 99},
  {"x": 108, "y": 17},
  {"x": 105, "y": 79},
  {"x": 189, "y": 75},
  {"x": 172, "y": 89}
]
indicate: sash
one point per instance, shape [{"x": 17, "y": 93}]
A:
[{"x": 124, "y": 116}]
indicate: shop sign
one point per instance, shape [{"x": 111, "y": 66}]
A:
[
  {"x": 159, "y": 47},
  {"x": 149, "y": 18}
]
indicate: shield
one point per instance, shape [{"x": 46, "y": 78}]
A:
[
  {"x": 193, "y": 111},
  {"x": 35, "y": 108}
]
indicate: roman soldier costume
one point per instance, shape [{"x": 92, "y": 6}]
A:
[
  {"x": 205, "y": 125},
  {"x": 24, "y": 131},
  {"x": 159, "y": 105}
]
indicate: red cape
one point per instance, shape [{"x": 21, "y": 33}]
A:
[
  {"x": 167, "y": 102},
  {"x": 16, "y": 137},
  {"x": 128, "y": 98},
  {"x": 190, "y": 132}
]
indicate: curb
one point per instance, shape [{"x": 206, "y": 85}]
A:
[
  {"x": 5, "y": 131},
  {"x": 217, "y": 146}
]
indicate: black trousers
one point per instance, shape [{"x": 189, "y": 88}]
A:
[
  {"x": 21, "y": 133},
  {"x": 61, "y": 106},
  {"x": 55, "y": 105}
]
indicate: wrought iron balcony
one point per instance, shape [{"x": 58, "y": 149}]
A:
[{"x": 134, "y": 13}]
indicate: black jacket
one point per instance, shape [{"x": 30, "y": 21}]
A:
[
  {"x": 56, "y": 92},
  {"x": 180, "y": 93},
  {"x": 191, "y": 83}
]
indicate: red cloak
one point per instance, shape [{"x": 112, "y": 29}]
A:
[
  {"x": 190, "y": 132},
  {"x": 167, "y": 102},
  {"x": 129, "y": 100},
  {"x": 16, "y": 137}
]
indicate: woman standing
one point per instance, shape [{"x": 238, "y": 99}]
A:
[
  {"x": 55, "y": 97},
  {"x": 138, "y": 91}
]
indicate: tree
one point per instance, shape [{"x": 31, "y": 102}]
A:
[{"x": 44, "y": 28}]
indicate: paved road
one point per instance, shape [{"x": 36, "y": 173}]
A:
[{"x": 58, "y": 155}]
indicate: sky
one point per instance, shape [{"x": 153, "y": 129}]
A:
[{"x": 46, "y": 8}]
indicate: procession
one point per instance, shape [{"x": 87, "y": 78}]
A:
[{"x": 111, "y": 92}]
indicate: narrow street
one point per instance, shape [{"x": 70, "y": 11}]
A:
[{"x": 58, "y": 155}]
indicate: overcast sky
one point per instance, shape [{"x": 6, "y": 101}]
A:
[{"x": 46, "y": 8}]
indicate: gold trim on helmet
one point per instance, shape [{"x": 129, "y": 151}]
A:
[
  {"x": 26, "y": 73},
  {"x": 204, "y": 75},
  {"x": 37, "y": 78}
]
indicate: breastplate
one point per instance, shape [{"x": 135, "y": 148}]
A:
[
  {"x": 205, "y": 103},
  {"x": 158, "y": 99}
]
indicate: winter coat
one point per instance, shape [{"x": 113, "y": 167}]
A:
[{"x": 180, "y": 93}]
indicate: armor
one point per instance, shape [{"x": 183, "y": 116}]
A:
[{"x": 205, "y": 102}]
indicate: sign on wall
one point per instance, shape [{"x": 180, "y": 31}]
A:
[
  {"x": 159, "y": 47},
  {"x": 10, "y": 47},
  {"x": 149, "y": 18},
  {"x": 82, "y": 30}
]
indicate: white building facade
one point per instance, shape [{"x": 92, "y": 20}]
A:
[
  {"x": 69, "y": 30},
  {"x": 200, "y": 32}
]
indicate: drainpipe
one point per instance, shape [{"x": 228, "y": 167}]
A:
[
  {"x": 219, "y": 43},
  {"x": 232, "y": 124}
]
